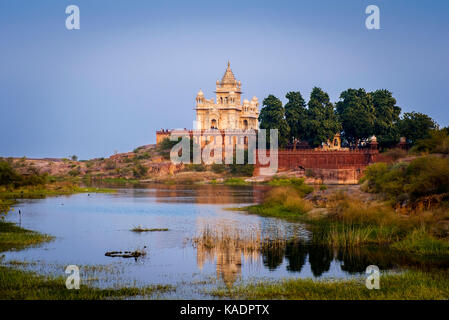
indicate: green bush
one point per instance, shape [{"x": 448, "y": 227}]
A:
[
  {"x": 75, "y": 172},
  {"x": 423, "y": 177},
  {"x": 437, "y": 142},
  {"x": 139, "y": 171},
  {"x": 218, "y": 168},
  {"x": 297, "y": 183},
  {"x": 5, "y": 206},
  {"x": 195, "y": 167},
  {"x": 420, "y": 242},
  {"x": 144, "y": 155},
  {"x": 8, "y": 176}
]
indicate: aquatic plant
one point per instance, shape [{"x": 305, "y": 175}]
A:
[{"x": 142, "y": 229}]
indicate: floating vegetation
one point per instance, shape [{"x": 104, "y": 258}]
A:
[
  {"x": 142, "y": 229},
  {"x": 127, "y": 254}
]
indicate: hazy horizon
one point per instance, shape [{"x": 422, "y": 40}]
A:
[{"x": 136, "y": 66}]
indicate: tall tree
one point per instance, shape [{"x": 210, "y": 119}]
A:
[
  {"x": 296, "y": 115},
  {"x": 322, "y": 122},
  {"x": 386, "y": 118},
  {"x": 415, "y": 126},
  {"x": 272, "y": 116},
  {"x": 357, "y": 115}
]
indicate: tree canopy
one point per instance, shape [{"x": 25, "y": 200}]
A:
[
  {"x": 357, "y": 115},
  {"x": 272, "y": 116},
  {"x": 296, "y": 115},
  {"x": 322, "y": 123},
  {"x": 415, "y": 126},
  {"x": 386, "y": 118}
]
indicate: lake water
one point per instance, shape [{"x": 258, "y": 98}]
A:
[{"x": 206, "y": 245}]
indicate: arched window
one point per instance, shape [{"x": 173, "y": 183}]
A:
[{"x": 213, "y": 124}]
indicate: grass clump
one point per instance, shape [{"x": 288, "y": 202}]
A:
[
  {"x": 282, "y": 202},
  {"x": 13, "y": 237},
  {"x": 235, "y": 182},
  {"x": 21, "y": 285},
  {"x": 296, "y": 183},
  {"x": 347, "y": 222},
  {"x": 422, "y": 243},
  {"x": 351, "y": 222},
  {"x": 411, "y": 285}
]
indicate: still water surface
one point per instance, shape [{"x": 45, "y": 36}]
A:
[{"x": 206, "y": 244}]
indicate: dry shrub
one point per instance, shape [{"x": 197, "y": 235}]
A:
[
  {"x": 288, "y": 198},
  {"x": 352, "y": 211}
]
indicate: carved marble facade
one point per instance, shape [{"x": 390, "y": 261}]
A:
[{"x": 227, "y": 112}]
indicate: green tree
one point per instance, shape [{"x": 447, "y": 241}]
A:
[
  {"x": 322, "y": 122},
  {"x": 415, "y": 126},
  {"x": 10, "y": 177},
  {"x": 74, "y": 158},
  {"x": 357, "y": 115},
  {"x": 386, "y": 118},
  {"x": 7, "y": 174},
  {"x": 436, "y": 142},
  {"x": 446, "y": 129},
  {"x": 272, "y": 116},
  {"x": 296, "y": 115}
]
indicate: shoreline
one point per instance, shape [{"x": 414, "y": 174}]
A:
[{"x": 434, "y": 285}]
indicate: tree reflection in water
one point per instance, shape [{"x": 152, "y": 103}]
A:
[
  {"x": 230, "y": 247},
  {"x": 320, "y": 259}
]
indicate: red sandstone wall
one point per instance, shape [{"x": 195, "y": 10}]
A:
[
  {"x": 333, "y": 167},
  {"x": 312, "y": 159}
]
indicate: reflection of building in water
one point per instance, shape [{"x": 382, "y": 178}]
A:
[
  {"x": 226, "y": 244},
  {"x": 230, "y": 243},
  {"x": 209, "y": 194}
]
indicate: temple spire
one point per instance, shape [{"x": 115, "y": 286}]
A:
[{"x": 228, "y": 77}]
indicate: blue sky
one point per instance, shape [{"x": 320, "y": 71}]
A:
[{"x": 136, "y": 66}]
